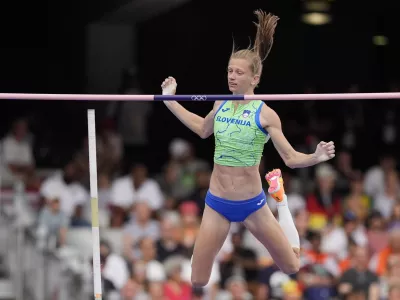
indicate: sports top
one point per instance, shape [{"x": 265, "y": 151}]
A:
[{"x": 239, "y": 136}]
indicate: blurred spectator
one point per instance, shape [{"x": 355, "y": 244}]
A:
[
  {"x": 391, "y": 277},
  {"x": 169, "y": 180},
  {"x": 394, "y": 220},
  {"x": 356, "y": 201},
  {"x": 64, "y": 186},
  {"x": 271, "y": 281},
  {"x": 347, "y": 262},
  {"x": 336, "y": 239},
  {"x": 358, "y": 279},
  {"x": 190, "y": 224},
  {"x": 394, "y": 291},
  {"x": 146, "y": 267},
  {"x": 379, "y": 261},
  {"x": 114, "y": 267},
  {"x": 324, "y": 205},
  {"x": 374, "y": 183},
  {"x": 140, "y": 225},
  {"x": 78, "y": 218},
  {"x": 250, "y": 242},
  {"x": 376, "y": 232},
  {"x": 137, "y": 186},
  {"x": 236, "y": 288},
  {"x": 109, "y": 148},
  {"x": 202, "y": 184},
  {"x": 17, "y": 156},
  {"x": 344, "y": 167},
  {"x": 155, "y": 290},
  {"x": 182, "y": 153},
  {"x": 291, "y": 290},
  {"x": 169, "y": 244},
  {"x": 54, "y": 221},
  {"x": 132, "y": 291},
  {"x": 118, "y": 216},
  {"x": 385, "y": 200},
  {"x": 104, "y": 186},
  {"x": 301, "y": 222},
  {"x": 175, "y": 288},
  {"x": 354, "y": 230},
  {"x": 242, "y": 261},
  {"x": 318, "y": 271}
]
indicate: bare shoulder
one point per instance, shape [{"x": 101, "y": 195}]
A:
[
  {"x": 216, "y": 106},
  {"x": 268, "y": 116}
]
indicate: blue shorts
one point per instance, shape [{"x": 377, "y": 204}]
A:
[{"x": 235, "y": 211}]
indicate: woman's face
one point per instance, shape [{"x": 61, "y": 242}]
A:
[{"x": 241, "y": 79}]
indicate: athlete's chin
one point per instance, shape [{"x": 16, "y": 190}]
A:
[{"x": 233, "y": 89}]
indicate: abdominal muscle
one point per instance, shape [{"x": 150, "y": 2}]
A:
[{"x": 235, "y": 183}]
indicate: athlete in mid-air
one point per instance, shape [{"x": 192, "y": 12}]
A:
[{"x": 241, "y": 128}]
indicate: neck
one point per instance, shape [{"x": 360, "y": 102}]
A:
[
  {"x": 359, "y": 268},
  {"x": 142, "y": 222},
  {"x": 243, "y": 101},
  {"x": 248, "y": 92}
]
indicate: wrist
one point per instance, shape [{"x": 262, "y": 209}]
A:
[
  {"x": 315, "y": 158},
  {"x": 168, "y": 103}
]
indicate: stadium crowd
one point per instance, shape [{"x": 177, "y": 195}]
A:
[{"x": 348, "y": 221}]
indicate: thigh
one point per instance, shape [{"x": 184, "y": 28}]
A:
[
  {"x": 213, "y": 231},
  {"x": 263, "y": 225}
]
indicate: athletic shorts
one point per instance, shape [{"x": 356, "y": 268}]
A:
[{"x": 236, "y": 211}]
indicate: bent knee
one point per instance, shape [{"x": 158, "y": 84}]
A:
[
  {"x": 291, "y": 268},
  {"x": 199, "y": 282}
]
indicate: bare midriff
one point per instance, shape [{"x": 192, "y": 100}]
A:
[{"x": 235, "y": 183}]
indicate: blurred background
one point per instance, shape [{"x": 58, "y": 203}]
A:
[{"x": 153, "y": 173}]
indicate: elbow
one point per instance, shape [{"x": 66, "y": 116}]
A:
[
  {"x": 290, "y": 164},
  {"x": 291, "y": 160},
  {"x": 291, "y": 269},
  {"x": 204, "y": 134}
]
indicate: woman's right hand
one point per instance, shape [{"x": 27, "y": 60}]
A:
[{"x": 169, "y": 86}]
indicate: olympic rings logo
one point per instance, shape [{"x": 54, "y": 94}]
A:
[{"x": 199, "y": 98}]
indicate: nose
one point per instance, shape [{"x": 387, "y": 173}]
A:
[{"x": 232, "y": 76}]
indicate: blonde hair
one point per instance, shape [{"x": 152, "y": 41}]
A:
[{"x": 263, "y": 42}]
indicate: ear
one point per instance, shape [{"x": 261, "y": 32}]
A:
[{"x": 256, "y": 80}]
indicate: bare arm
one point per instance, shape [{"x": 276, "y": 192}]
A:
[
  {"x": 203, "y": 127},
  {"x": 291, "y": 157}
]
